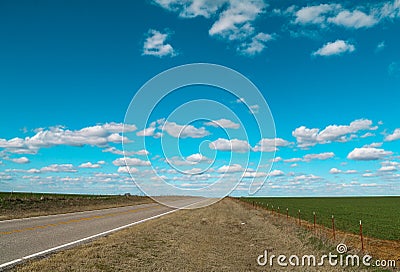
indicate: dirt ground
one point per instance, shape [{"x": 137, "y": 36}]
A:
[{"x": 227, "y": 236}]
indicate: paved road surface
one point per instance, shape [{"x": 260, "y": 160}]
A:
[{"x": 29, "y": 237}]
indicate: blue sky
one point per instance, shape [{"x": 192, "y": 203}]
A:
[{"x": 329, "y": 71}]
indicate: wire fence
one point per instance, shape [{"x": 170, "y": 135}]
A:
[{"x": 331, "y": 233}]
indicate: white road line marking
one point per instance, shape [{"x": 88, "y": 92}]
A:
[{"x": 13, "y": 262}]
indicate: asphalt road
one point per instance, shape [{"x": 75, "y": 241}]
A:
[{"x": 22, "y": 239}]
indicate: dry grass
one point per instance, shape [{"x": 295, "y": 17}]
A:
[
  {"x": 26, "y": 206},
  {"x": 226, "y": 236}
]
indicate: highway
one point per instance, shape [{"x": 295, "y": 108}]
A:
[{"x": 22, "y": 239}]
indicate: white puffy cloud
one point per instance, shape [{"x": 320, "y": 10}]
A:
[
  {"x": 270, "y": 145},
  {"x": 389, "y": 168},
  {"x": 293, "y": 160},
  {"x": 224, "y": 123},
  {"x": 196, "y": 158},
  {"x": 89, "y": 165},
  {"x": 146, "y": 132},
  {"x": 233, "y": 168},
  {"x": 55, "y": 168},
  {"x": 116, "y": 151},
  {"x": 254, "y": 174},
  {"x": 276, "y": 173},
  {"x": 337, "y": 171},
  {"x": 130, "y": 162},
  {"x": 192, "y": 8},
  {"x": 127, "y": 169},
  {"x": 21, "y": 160},
  {"x": 98, "y": 135},
  {"x": 256, "y": 45},
  {"x": 353, "y": 19},
  {"x": 315, "y": 14},
  {"x": 306, "y": 137},
  {"x": 337, "y": 47},
  {"x": 234, "y": 145},
  {"x": 184, "y": 131},
  {"x": 235, "y": 22},
  {"x": 155, "y": 45},
  {"x": 368, "y": 154},
  {"x": 394, "y": 136},
  {"x": 319, "y": 156}
]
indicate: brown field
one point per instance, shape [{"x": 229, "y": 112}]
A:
[
  {"x": 227, "y": 236},
  {"x": 27, "y": 205}
]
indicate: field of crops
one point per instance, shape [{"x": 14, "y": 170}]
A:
[{"x": 380, "y": 215}]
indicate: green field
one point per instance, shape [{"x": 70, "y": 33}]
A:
[{"x": 380, "y": 215}]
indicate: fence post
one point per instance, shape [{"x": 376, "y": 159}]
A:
[
  {"x": 278, "y": 211},
  {"x": 287, "y": 213},
  {"x": 314, "y": 219},
  {"x": 299, "y": 219},
  {"x": 267, "y": 207},
  {"x": 362, "y": 238},
  {"x": 333, "y": 227}
]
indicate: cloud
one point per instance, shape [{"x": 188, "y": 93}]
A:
[
  {"x": 337, "y": 171},
  {"x": 320, "y": 156},
  {"x": 184, "y": 131},
  {"x": 224, "y": 123},
  {"x": 89, "y": 165},
  {"x": 306, "y": 137},
  {"x": 390, "y": 168},
  {"x": 254, "y": 174},
  {"x": 56, "y": 168},
  {"x": 99, "y": 135},
  {"x": 373, "y": 145},
  {"x": 257, "y": 44},
  {"x": 127, "y": 169},
  {"x": 196, "y": 158},
  {"x": 155, "y": 45},
  {"x": 146, "y": 132},
  {"x": 193, "y": 8},
  {"x": 130, "y": 162},
  {"x": 233, "y": 145},
  {"x": 270, "y": 145},
  {"x": 276, "y": 173},
  {"x": 21, "y": 160},
  {"x": 116, "y": 151},
  {"x": 314, "y": 14},
  {"x": 394, "y": 136},
  {"x": 380, "y": 46},
  {"x": 394, "y": 69},
  {"x": 235, "y": 22},
  {"x": 353, "y": 19},
  {"x": 368, "y": 154},
  {"x": 337, "y": 47},
  {"x": 233, "y": 168},
  {"x": 254, "y": 109}
]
